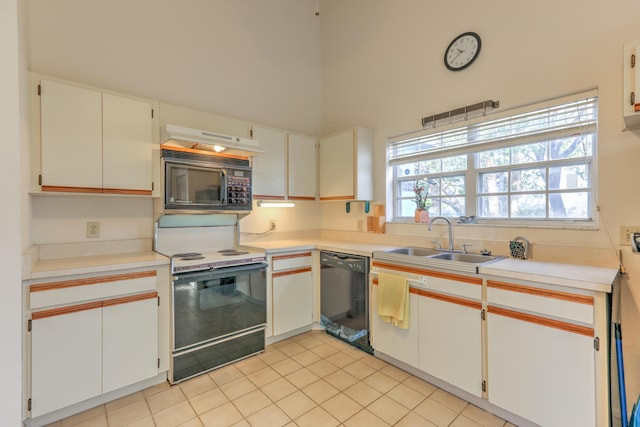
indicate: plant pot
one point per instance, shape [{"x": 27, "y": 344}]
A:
[{"x": 421, "y": 215}]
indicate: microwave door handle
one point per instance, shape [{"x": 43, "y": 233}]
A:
[{"x": 224, "y": 195}]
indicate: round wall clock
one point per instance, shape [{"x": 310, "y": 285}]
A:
[{"x": 462, "y": 51}]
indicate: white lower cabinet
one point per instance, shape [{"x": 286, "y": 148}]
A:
[
  {"x": 541, "y": 354},
  {"x": 451, "y": 340},
  {"x": 90, "y": 336},
  {"x": 541, "y": 373},
  {"x": 130, "y": 342},
  {"x": 535, "y": 350},
  {"x": 292, "y": 292},
  {"x": 66, "y": 359},
  {"x": 401, "y": 344}
]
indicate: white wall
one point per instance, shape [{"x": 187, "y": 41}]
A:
[
  {"x": 383, "y": 68},
  {"x": 10, "y": 219},
  {"x": 253, "y": 60}
]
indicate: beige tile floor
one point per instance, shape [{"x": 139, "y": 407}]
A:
[{"x": 311, "y": 380}]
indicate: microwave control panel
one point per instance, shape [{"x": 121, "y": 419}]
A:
[{"x": 239, "y": 188}]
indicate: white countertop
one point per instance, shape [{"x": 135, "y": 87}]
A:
[
  {"x": 279, "y": 246},
  {"x": 571, "y": 275},
  {"x": 585, "y": 277},
  {"x": 47, "y": 268}
]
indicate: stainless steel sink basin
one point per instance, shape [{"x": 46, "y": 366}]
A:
[
  {"x": 414, "y": 251},
  {"x": 470, "y": 258}
]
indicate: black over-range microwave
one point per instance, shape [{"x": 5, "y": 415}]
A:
[{"x": 203, "y": 182}]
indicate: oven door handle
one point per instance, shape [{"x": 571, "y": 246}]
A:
[{"x": 218, "y": 272}]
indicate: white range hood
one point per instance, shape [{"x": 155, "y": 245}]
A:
[{"x": 209, "y": 141}]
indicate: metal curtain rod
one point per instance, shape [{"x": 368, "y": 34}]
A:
[{"x": 458, "y": 111}]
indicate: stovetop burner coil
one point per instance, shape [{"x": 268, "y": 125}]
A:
[{"x": 188, "y": 256}]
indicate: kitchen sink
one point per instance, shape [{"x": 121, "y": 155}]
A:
[
  {"x": 461, "y": 257},
  {"x": 414, "y": 251}
]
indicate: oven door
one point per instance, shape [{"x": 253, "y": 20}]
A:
[
  {"x": 216, "y": 304},
  {"x": 219, "y": 317}
]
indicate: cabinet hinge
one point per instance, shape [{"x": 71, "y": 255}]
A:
[
  {"x": 484, "y": 386},
  {"x": 40, "y": 179},
  {"x": 632, "y": 98},
  {"x": 158, "y": 300},
  {"x": 158, "y": 363},
  {"x": 483, "y": 314},
  {"x": 29, "y": 404},
  {"x": 596, "y": 343},
  {"x": 29, "y": 325},
  {"x": 251, "y": 133},
  {"x": 39, "y": 90},
  {"x": 633, "y": 61},
  {"x": 152, "y": 113}
]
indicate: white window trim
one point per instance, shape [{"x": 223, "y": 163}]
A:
[{"x": 471, "y": 174}]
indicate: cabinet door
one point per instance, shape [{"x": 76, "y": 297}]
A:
[
  {"x": 71, "y": 136},
  {"x": 130, "y": 340},
  {"x": 302, "y": 167},
  {"x": 401, "y": 344},
  {"x": 66, "y": 356},
  {"x": 337, "y": 163},
  {"x": 292, "y": 300},
  {"x": 127, "y": 144},
  {"x": 539, "y": 372},
  {"x": 451, "y": 340},
  {"x": 269, "y": 168}
]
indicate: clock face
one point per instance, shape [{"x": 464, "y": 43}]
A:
[{"x": 462, "y": 51}]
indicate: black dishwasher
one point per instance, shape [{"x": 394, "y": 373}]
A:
[{"x": 344, "y": 297}]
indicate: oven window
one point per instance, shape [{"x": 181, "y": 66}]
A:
[
  {"x": 193, "y": 185},
  {"x": 218, "y": 305}
]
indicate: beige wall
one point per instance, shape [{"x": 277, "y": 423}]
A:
[{"x": 10, "y": 218}]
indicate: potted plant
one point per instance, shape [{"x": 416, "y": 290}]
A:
[{"x": 423, "y": 203}]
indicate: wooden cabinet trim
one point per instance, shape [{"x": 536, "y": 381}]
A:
[
  {"x": 442, "y": 297},
  {"x": 65, "y": 310},
  {"x": 267, "y": 197},
  {"x": 125, "y": 191},
  {"x": 338, "y": 197},
  {"x": 564, "y": 296},
  {"x": 289, "y": 256},
  {"x": 129, "y": 298},
  {"x": 90, "y": 281},
  {"x": 58, "y": 189},
  {"x": 448, "y": 276},
  {"x": 301, "y": 198},
  {"x": 543, "y": 321},
  {"x": 450, "y": 299},
  {"x": 91, "y": 305},
  {"x": 289, "y": 272}
]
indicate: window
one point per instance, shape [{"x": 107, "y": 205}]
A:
[{"x": 536, "y": 165}]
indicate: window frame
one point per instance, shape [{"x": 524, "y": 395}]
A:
[{"x": 472, "y": 173}]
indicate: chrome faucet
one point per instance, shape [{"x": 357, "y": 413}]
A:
[{"x": 450, "y": 229}]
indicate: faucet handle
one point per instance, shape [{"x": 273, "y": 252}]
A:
[
  {"x": 437, "y": 243},
  {"x": 464, "y": 247}
]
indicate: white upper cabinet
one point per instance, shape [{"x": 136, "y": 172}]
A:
[
  {"x": 269, "y": 168},
  {"x": 346, "y": 165},
  {"x": 631, "y": 83},
  {"x": 302, "y": 167},
  {"x": 71, "y": 132},
  {"x": 94, "y": 142},
  {"x": 287, "y": 169},
  {"x": 126, "y": 143}
]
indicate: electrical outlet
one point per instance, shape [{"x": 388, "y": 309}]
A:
[
  {"x": 625, "y": 233},
  {"x": 93, "y": 230},
  {"x": 272, "y": 224}
]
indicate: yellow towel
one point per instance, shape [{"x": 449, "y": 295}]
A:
[{"x": 393, "y": 299}]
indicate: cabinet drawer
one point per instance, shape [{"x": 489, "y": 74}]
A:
[
  {"x": 294, "y": 260},
  {"x": 575, "y": 307},
  {"x": 90, "y": 288}
]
